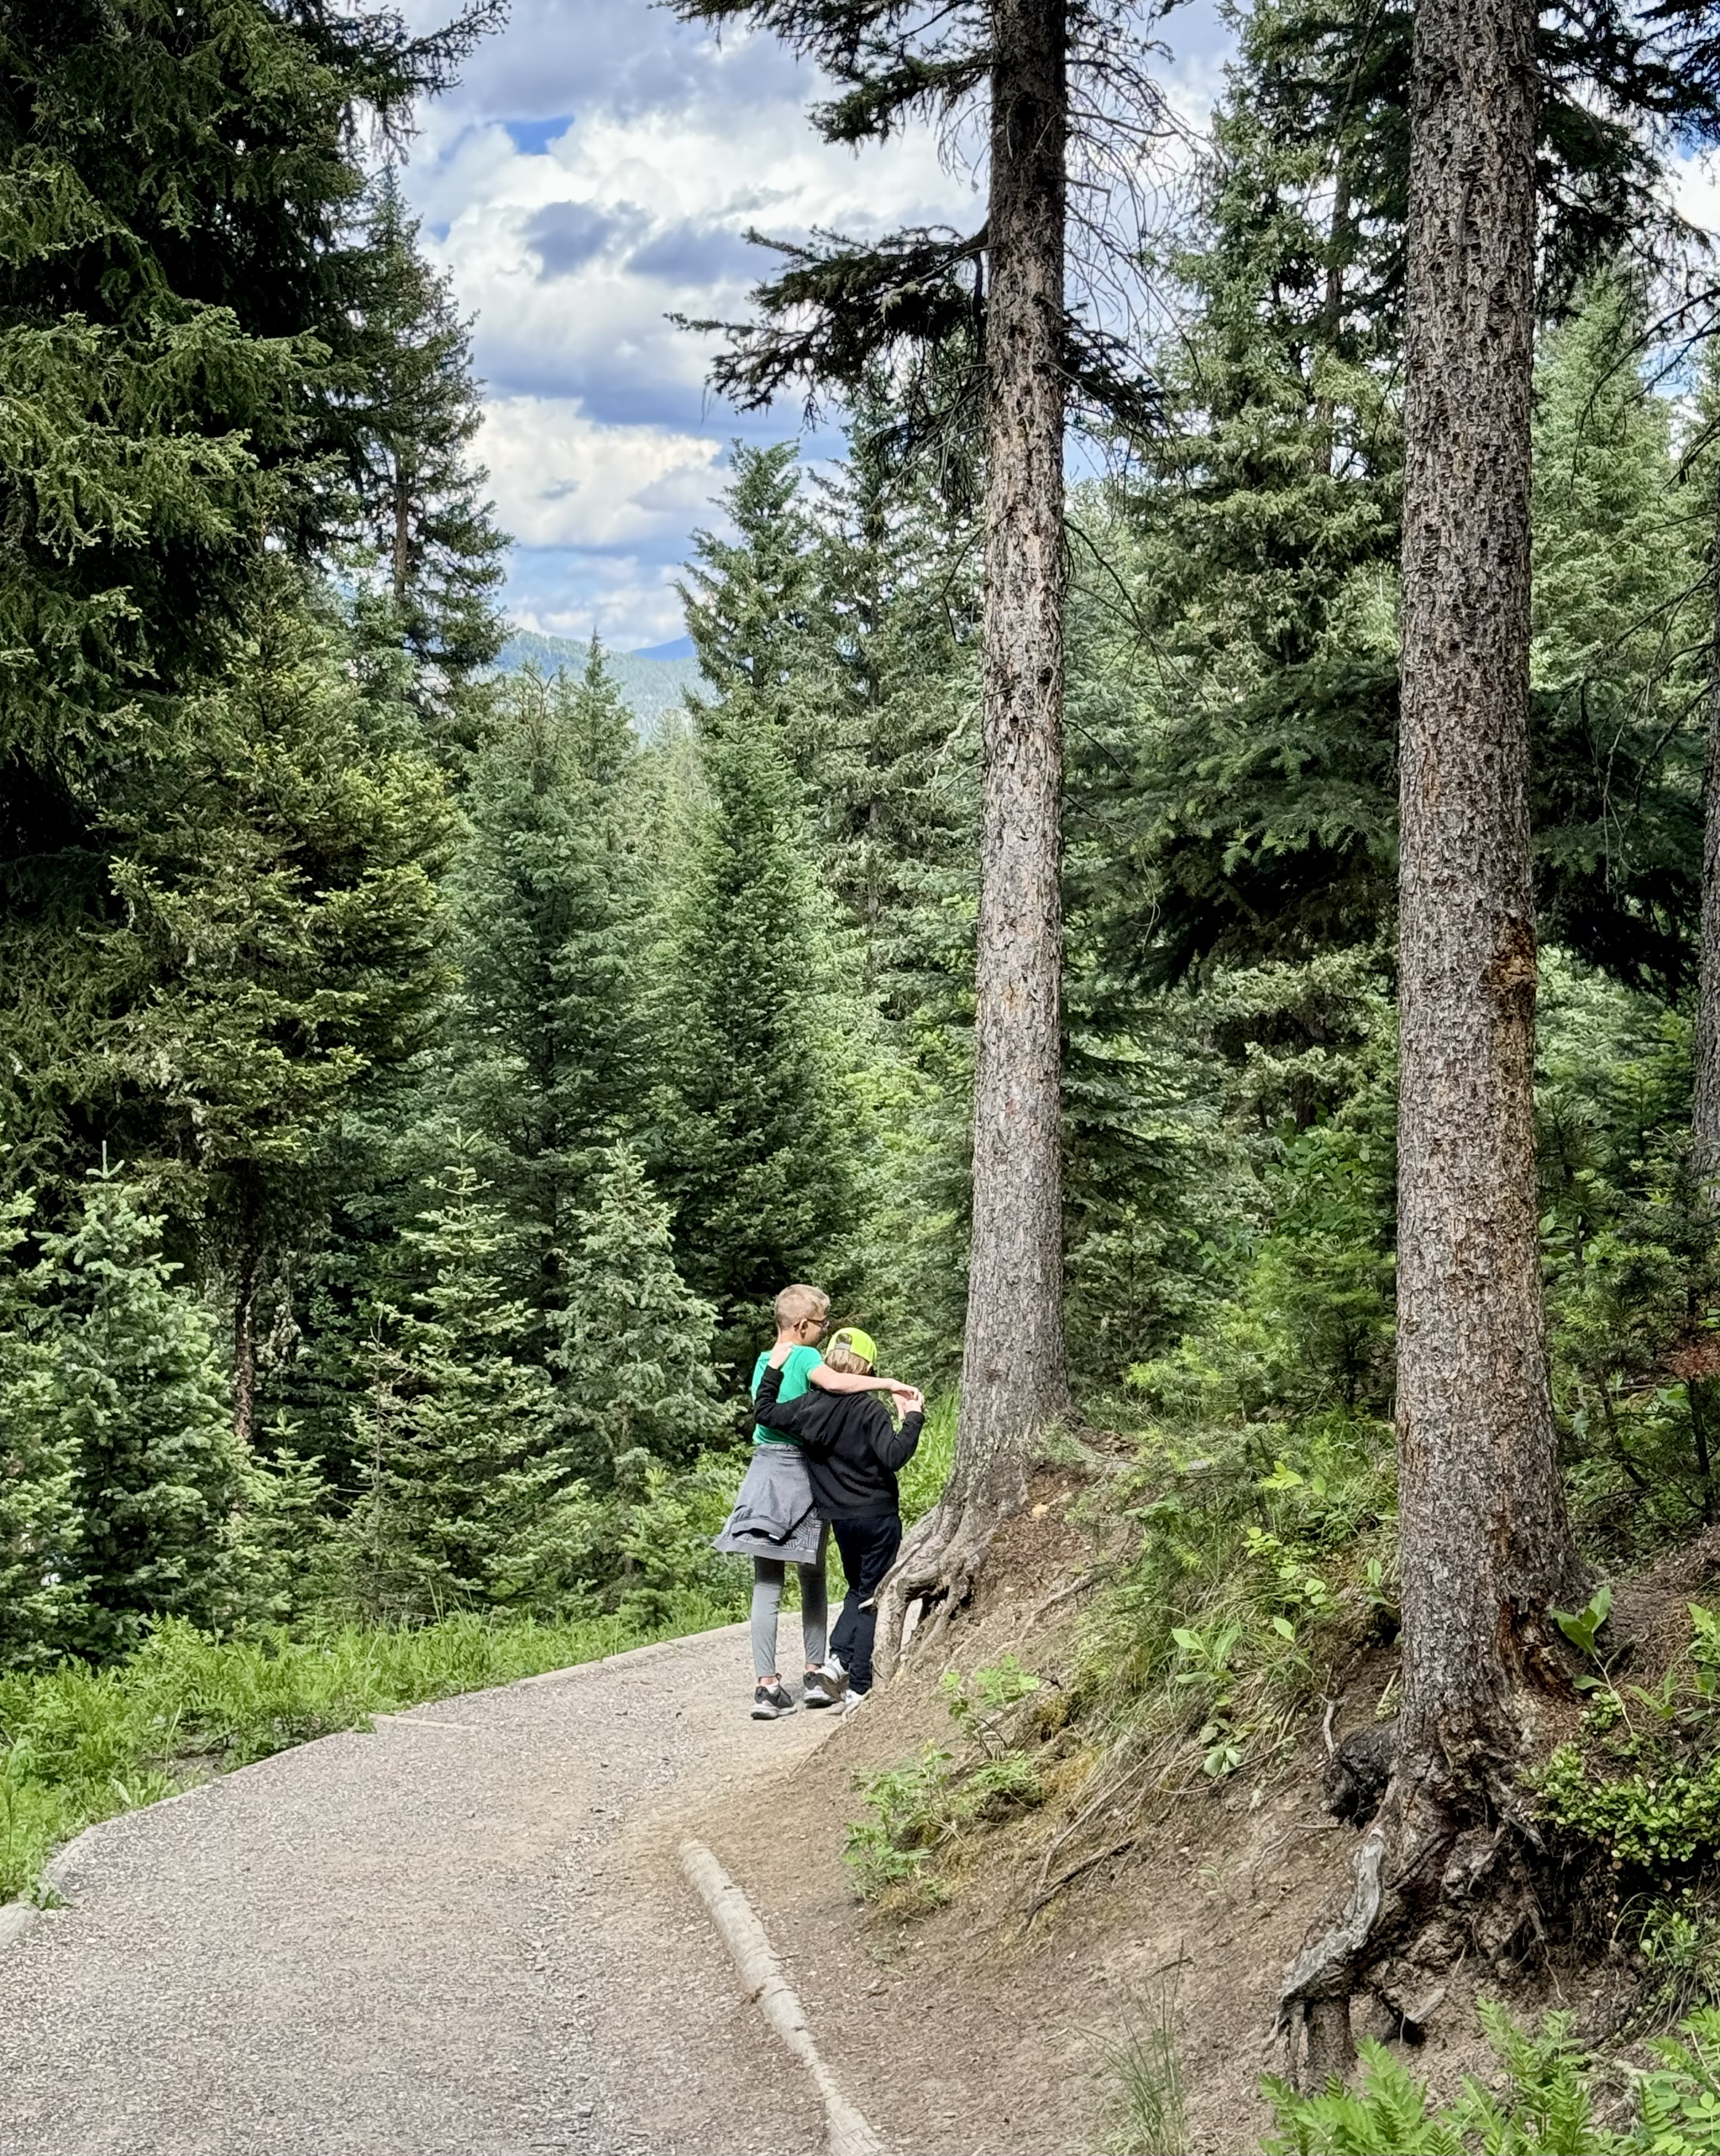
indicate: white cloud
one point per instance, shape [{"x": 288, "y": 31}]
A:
[
  {"x": 650, "y": 150},
  {"x": 560, "y": 479}
]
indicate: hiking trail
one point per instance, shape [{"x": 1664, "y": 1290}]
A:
[{"x": 466, "y": 1931}]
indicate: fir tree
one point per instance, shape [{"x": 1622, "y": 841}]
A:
[
  {"x": 135, "y": 1397},
  {"x": 454, "y": 1433},
  {"x": 281, "y": 940},
  {"x": 547, "y": 1062},
  {"x": 634, "y": 1343},
  {"x": 420, "y": 498},
  {"x": 749, "y": 1130}
]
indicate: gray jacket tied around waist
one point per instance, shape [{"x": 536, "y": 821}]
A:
[{"x": 773, "y": 1515}]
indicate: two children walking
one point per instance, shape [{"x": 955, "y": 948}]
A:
[{"x": 825, "y": 1456}]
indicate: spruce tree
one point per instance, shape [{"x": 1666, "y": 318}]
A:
[
  {"x": 547, "y": 1065},
  {"x": 633, "y": 1341},
  {"x": 750, "y": 1146},
  {"x": 420, "y": 498},
  {"x": 135, "y": 1397},
  {"x": 455, "y": 1434},
  {"x": 280, "y": 943}
]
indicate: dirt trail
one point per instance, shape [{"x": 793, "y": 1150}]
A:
[{"x": 465, "y": 1932}]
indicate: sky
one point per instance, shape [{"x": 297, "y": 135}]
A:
[{"x": 595, "y": 171}]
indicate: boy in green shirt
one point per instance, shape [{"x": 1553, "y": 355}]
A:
[{"x": 801, "y": 1314}]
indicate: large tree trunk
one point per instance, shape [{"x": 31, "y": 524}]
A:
[
  {"x": 1485, "y": 1541},
  {"x": 1014, "y": 1381},
  {"x": 1705, "y": 1118}
]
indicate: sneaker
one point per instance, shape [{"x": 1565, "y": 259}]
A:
[
  {"x": 851, "y": 1700},
  {"x": 769, "y": 1700},
  {"x": 818, "y": 1690}
]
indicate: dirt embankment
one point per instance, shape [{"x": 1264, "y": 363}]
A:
[{"x": 979, "y": 2028}]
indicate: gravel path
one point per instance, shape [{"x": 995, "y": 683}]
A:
[{"x": 465, "y": 1932}]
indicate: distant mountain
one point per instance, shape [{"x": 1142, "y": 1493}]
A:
[{"x": 651, "y": 682}]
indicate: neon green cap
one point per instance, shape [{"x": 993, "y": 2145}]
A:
[{"x": 857, "y": 1343}]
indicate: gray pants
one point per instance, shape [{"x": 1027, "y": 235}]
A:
[{"x": 769, "y": 1573}]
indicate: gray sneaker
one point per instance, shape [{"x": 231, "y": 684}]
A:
[
  {"x": 818, "y": 1690},
  {"x": 769, "y": 1700}
]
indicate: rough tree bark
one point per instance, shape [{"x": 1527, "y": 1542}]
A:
[
  {"x": 1014, "y": 1379},
  {"x": 1486, "y": 1545},
  {"x": 1705, "y": 1115}
]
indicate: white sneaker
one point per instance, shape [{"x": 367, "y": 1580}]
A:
[{"x": 850, "y": 1701}]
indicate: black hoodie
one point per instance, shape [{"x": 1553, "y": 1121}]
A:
[{"x": 851, "y": 1446}]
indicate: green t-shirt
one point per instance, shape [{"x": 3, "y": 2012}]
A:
[{"x": 796, "y": 1378}]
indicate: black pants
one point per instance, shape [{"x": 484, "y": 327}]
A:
[{"x": 869, "y": 1548}]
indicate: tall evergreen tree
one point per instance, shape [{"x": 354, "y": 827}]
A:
[
  {"x": 420, "y": 497},
  {"x": 279, "y": 941},
  {"x": 1486, "y": 1544},
  {"x": 135, "y": 1399},
  {"x": 547, "y": 1065},
  {"x": 750, "y": 1133},
  {"x": 634, "y": 1341},
  {"x": 455, "y": 1435}
]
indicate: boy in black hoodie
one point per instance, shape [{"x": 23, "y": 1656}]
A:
[{"x": 852, "y": 1451}]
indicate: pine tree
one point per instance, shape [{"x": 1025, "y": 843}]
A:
[
  {"x": 280, "y": 941},
  {"x": 634, "y": 1343},
  {"x": 750, "y": 1150},
  {"x": 1486, "y": 1547},
  {"x": 547, "y": 1064},
  {"x": 454, "y": 1433},
  {"x": 135, "y": 1397},
  {"x": 420, "y": 499}
]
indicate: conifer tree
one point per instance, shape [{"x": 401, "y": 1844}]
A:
[
  {"x": 978, "y": 331},
  {"x": 135, "y": 1397},
  {"x": 454, "y": 1435},
  {"x": 281, "y": 940},
  {"x": 634, "y": 1343},
  {"x": 548, "y": 1063},
  {"x": 1486, "y": 1547},
  {"x": 40, "y": 1602},
  {"x": 750, "y": 1151},
  {"x": 420, "y": 498}
]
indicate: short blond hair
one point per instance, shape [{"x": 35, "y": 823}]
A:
[
  {"x": 796, "y": 1304},
  {"x": 845, "y": 1363}
]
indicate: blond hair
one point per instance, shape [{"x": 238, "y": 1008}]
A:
[
  {"x": 845, "y": 1363},
  {"x": 796, "y": 1304}
]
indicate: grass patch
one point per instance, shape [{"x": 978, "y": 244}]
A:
[{"x": 80, "y": 1744}]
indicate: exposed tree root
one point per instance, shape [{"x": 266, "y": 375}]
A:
[
  {"x": 1449, "y": 1868},
  {"x": 940, "y": 1559}
]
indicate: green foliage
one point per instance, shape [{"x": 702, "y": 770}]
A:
[
  {"x": 755, "y": 1154},
  {"x": 464, "y": 1499},
  {"x": 1643, "y": 1775},
  {"x": 1544, "y": 2107},
  {"x": 546, "y": 1062},
  {"x": 420, "y": 499},
  {"x": 920, "y": 1810},
  {"x": 131, "y": 1396},
  {"x": 633, "y": 1343}
]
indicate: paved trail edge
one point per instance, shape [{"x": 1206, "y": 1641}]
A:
[{"x": 766, "y": 1988}]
